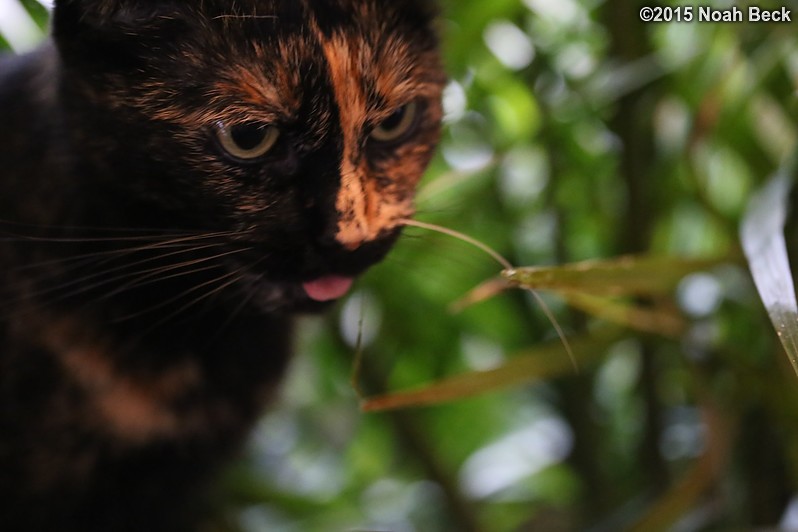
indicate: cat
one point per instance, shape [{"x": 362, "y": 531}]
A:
[{"x": 178, "y": 180}]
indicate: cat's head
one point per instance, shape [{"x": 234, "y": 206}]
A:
[{"x": 303, "y": 126}]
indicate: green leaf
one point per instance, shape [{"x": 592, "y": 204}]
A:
[
  {"x": 630, "y": 275},
  {"x": 38, "y": 13}
]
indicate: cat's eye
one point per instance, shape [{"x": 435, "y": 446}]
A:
[
  {"x": 247, "y": 141},
  {"x": 397, "y": 126}
]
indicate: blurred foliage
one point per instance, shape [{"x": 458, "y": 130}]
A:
[{"x": 574, "y": 132}]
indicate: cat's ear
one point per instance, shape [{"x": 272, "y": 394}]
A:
[
  {"x": 99, "y": 13},
  {"x": 111, "y": 31}
]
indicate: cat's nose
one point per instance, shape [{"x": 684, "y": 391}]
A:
[
  {"x": 352, "y": 261},
  {"x": 353, "y": 236},
  {"x": 355, "y": 231},
  {"x": 364, "y": 212}
]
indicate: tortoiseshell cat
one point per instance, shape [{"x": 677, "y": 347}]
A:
[{"x": 177, "y": 178}]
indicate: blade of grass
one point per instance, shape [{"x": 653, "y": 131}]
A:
[
  {"x": 459, "y": 236},
  {"x": 541, "y": 362},
  {"x": 483, "y": 292},
  {"x": 657, "y": 319},
  {"x": 506, "y": 265},
  {"x": 762, "y": 236},
  {"x": 629, "y": 275}
]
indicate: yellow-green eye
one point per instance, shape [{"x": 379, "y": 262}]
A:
[
  {"x": 400, "y": 123},
  {"x": 247, "y": 141}
]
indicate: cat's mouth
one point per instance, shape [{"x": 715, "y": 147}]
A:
[
  {"x": 311, "y": 285},
  {"x": 327, "y": 288},
  {"x": 311, "y": 296}
]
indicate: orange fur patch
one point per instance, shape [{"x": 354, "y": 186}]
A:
[
  {"x": 136, "y": 409},
  {"x": 366, "y": 210}
]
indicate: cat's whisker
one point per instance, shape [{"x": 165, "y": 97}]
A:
[
  {"x": 236, "y": 275},
  {"x": 154, "y": 278},
  {"x": 6, "y": 236},
  {"x": 154, "y": 275},
  {"x": 111, "y": 233},
  {"x": 174, "y": 299},
  {"x": 102, "y": 274},
  {"x": 82, "y": 259},
  {"x": 241, "y": 306},
  {"x": 99, "y": 258},
  {"x": 237, "y": 311},
  {"x": 165, "y": 231},
  {"x": 33, "y": 304},
  {"x": 142, "y": 277},
  {"x": 183, "y": 243},
  {"x": 177, "y": 242},
  {"x": 255, "y": 17}
]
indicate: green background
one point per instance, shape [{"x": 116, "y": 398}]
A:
[{"x": 574, "y": 131}]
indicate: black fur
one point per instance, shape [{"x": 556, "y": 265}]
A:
[{"x": 147, "y": 280}]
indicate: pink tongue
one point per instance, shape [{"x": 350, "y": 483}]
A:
[{"x": 327, "y": 288}]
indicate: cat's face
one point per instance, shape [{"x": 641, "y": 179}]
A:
[{"x": 303, "y": 126}]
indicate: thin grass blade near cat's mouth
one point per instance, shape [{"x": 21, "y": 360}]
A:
[{"x": 588, "y": 286}]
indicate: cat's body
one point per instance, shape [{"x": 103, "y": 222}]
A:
[{"x": 176, "y": 180}]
